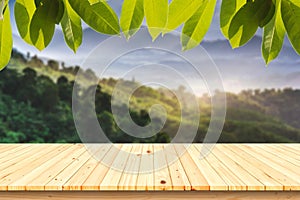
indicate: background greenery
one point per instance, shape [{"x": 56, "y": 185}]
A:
[{"x": 252, "y": 116}]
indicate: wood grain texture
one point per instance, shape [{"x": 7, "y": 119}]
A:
[
  {"x": 191, "y": 195},
  {"x": 150, "y": 167}
]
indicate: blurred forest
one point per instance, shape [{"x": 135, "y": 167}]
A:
[{"x": 36, "y": 107}]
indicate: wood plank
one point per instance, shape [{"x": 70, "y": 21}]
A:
[
  {"x": 13, "y": 153},
  {"x": 145, "y": 179},
  {"x": 234, "y": 182},
  {"x": 281, "y": 153},
  {"x": 253, "y": 166},
  {"x": 40, "y": 176},
  {"x": 54, "y": 166},
  {"x": 148, "y": 167},
  {"x": 195, "y": 176},
  {"x": 253, "y": 183},
  {"x": 293, "y": 149},
  {"x": 290, "y": 179},
  {"x": 162, "y": 180},
  {"x": 27, "y": 164},
  {"x": 4, "y": 147},
  {"x": 192, "y": 195},
  {"x": 86, "y": 163},
  {"x": 7, "y": 148},
  {"x": 129, "y": 177},
  {"x": 179, "y": 179},
  {"x": 95, "y": 178},
  {"x": 17, "y": 154},
  {"x": 290, "y": 150},
  {"x": 287, "y": 162},
  {"x": 213, "y": 178},
  {"x": 113, "y": 176}
]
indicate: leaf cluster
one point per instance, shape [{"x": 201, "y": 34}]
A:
[{"x": 239, "y": 21}]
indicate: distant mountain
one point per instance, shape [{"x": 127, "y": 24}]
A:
[
  {"x": 58, "y": 49},
  {"x": 219, "y": 49},
  {"x": 222, "y": 49},
  {"x": 240, "y": 68}
]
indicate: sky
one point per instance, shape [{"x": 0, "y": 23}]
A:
[{"x": 241, "y": 68}]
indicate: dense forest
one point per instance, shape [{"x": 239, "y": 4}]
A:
[{"x": 36, "y": 106}]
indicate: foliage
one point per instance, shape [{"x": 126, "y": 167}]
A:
[
  {"x": 98, "y": 15},
  {"x": 290, "y": 10},
  {"x": 42, "y": 25},
  {"x": 6, "y": 41},
  {"x": 36, "y": 106},
  {"x": 71, "y": 26},
  {"x": 156, "y": 14},
  {"x": 246, "y": 21},
  {"x": 273, "y": 36},
  {"x": 131, "y": 16},
  {"x": 239, "y": 21},
  {"x": 196, "y": 27}
]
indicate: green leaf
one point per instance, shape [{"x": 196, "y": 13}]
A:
[
  {"x": 180, "y": 11},
  {"x": 94, "y": 1},
  {"x": 246, "y": 21},
  {"x": 24, "y": 11},
  {"x": 71, "y": 26},
  {"x": 38, "y": 3},
  {"x": 132, "y": 16},
  {"x": 98, "y": 16},
  {"x": 273, "y": 36},
  {"x": 197, "y": 26},
  {"x": 43, "y": 23},
  {"x": 269, "y": 15},
  {"x": 228, "y": 10},
  {"x": 290, "y": 11},
  {"x": 2, "y": 7},
  {"x": 6, "y": 41},
  {"x": 156, "y": 13},
  {"x": 61, "y": 10}
]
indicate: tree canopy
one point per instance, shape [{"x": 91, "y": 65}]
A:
[
  {"x": 239, "y": 21},
  {"x": 270, "y": 115}
]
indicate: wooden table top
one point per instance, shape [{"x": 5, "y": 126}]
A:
[{"x": 70, "y": 167}]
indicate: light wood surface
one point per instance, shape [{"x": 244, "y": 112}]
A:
[
  {"x": 150, "y": 167},
  {"x": 166, "y": 195}
]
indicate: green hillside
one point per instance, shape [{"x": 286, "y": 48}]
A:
[{"x": 36, "y": 98}]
